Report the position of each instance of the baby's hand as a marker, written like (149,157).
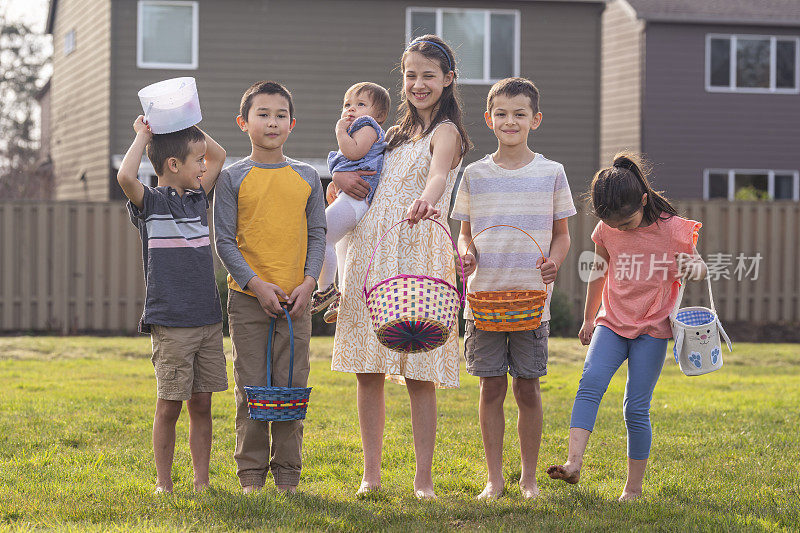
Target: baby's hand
(331,193)
(690,266)
(469,262)
(142,127)
(343,123)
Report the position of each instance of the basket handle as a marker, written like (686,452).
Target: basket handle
(516,228)
(683,281)
(372,258)
(272,322)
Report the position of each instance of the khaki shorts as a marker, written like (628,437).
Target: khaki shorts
(188,360)
(522,354)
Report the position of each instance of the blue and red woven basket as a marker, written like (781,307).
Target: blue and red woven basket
(278,404)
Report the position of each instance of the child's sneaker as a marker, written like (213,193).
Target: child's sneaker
(322,299)
(332,313)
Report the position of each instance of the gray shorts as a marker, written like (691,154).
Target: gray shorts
(523,354)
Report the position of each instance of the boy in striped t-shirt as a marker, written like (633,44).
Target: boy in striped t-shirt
(182,309)
(518,187)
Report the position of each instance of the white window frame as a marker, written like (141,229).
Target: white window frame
(140,62)
(70,42)
(486,79)
(731,87)
(731,172)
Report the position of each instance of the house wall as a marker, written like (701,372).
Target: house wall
(686,129)
(80,89)
(621,81)
(317,50)
(45,122)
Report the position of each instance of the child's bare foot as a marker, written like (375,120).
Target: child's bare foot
(160,489)
(200,486)
(288,489)
(492,491)
(250,489)
(629,495)
(367,488)
(424,494)
(423,488)
(529,490)
(571,473)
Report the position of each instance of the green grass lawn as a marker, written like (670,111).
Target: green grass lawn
(75,452)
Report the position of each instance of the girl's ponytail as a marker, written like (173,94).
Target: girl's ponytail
(616,191)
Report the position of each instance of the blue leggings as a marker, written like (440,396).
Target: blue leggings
(607,352)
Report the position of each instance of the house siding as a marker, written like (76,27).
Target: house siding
(80,89)
(621,82)
(687,129)
(315,50)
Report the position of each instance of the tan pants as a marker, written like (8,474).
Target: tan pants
(249,326)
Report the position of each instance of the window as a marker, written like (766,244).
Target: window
(485,42)
(167,35)
(751,184)
(752,63)
(70,42)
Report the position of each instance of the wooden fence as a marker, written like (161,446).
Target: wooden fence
(77,266)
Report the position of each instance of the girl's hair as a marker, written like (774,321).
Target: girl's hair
(616,191)
(447,108)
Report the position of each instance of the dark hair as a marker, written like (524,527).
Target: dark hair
(379,95)
(616,191)
(447,108)
(176,144)
(264,87)
(512,87)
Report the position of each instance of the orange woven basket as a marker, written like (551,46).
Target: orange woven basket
(507,310)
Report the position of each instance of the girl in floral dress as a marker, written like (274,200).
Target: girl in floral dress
(421,164)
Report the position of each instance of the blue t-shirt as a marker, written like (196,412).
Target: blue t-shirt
(372,160)
(181,290)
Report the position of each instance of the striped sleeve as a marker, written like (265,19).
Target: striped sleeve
(563,206)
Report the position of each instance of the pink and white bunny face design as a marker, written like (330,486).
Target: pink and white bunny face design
(701,336)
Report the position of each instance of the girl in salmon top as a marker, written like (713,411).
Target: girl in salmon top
(647,248)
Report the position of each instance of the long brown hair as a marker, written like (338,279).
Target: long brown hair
(447,108)
(616,191)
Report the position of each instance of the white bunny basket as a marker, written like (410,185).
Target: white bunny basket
(697,333)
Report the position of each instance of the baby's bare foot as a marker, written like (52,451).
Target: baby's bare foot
(629,495)
(250,489)
(492,491)
(568,472)
(160,489)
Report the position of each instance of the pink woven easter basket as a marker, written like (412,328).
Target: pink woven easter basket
(412,313)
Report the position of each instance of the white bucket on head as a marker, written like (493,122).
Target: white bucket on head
(171,105)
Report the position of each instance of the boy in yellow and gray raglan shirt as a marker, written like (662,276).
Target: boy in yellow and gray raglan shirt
(269,221)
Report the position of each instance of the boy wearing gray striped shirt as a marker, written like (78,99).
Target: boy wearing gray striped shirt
(515,187)
(182,309)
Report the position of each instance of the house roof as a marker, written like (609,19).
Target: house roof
(758,12)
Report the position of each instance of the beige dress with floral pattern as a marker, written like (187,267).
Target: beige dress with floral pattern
(422,249)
